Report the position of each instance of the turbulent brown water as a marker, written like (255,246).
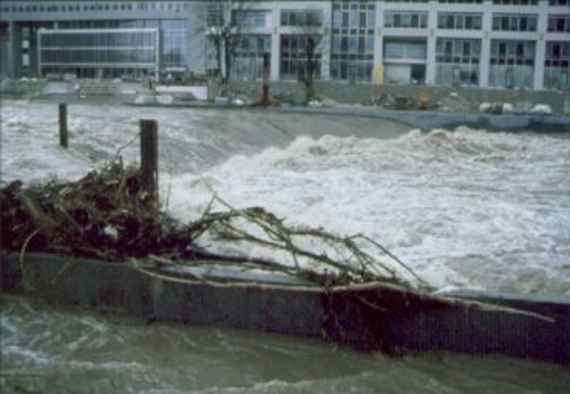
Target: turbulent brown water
(47,350)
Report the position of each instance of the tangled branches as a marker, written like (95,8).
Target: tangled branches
(108,215)
(314,254)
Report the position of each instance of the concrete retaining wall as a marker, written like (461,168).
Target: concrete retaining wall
(431,120)
(369,317)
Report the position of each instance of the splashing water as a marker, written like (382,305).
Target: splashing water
(465,208)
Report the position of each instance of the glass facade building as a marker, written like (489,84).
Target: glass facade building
(95,52)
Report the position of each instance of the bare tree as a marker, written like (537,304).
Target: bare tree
(223,34)
(308,78)
(308,49)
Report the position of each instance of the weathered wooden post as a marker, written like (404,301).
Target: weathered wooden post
(149,157)
(63,134)
(265,86)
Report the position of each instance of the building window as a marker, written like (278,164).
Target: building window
(403,49)
(250,18)
(559,23)
(512,63)
(400,19)
(514,22)
(458,61)
(557,65)
(352,54)
(301,18)
(249,55)
(459,21)
(294,60)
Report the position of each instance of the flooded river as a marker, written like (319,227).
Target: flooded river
(467,208)
(60,351)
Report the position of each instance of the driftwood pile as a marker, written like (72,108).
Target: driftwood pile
(105,215)
(108,215)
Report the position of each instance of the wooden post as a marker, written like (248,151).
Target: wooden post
(265,86)
(149,156)
(63,134)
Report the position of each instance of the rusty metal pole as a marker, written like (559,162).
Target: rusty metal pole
(149,157)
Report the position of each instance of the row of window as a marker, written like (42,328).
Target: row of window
(459,21)
(405,50)
(250,18)
(301,18)
(110,24)
(558,51)
(115,39)
(504,51)
(99,7)
(353,44)
(366,18)
(514,22)
(179,6)
(96,56)
(410,19)
(353,18)
(450,50)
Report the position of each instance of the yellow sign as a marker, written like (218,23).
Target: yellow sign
(378,75)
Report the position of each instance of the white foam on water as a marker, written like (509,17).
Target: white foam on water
(464,208)
(467,208)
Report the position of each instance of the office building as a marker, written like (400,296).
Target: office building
(480,43)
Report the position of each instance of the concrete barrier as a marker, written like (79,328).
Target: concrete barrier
(368,316)
(432,120)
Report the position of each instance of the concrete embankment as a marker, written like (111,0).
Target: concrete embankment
(425,120)
(433,120)
(370,316)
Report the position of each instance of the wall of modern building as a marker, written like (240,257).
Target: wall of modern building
(485,43)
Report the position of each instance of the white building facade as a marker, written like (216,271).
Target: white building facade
(479,43)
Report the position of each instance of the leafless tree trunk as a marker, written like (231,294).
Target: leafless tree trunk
(223,34)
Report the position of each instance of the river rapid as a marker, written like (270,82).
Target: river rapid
(464,208)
